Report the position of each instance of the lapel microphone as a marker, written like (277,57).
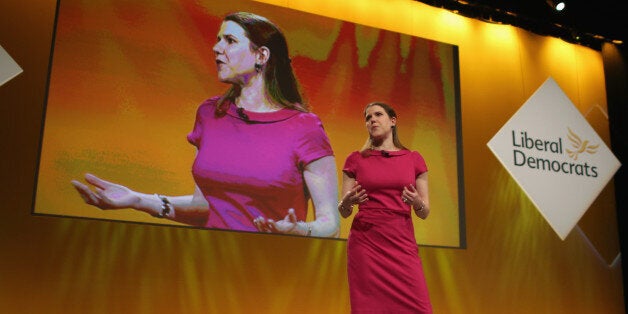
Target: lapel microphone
(385,153)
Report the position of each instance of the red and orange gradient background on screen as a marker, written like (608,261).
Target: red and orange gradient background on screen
(127,77)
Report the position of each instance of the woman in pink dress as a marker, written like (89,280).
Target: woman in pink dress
(388,182)
(261,154)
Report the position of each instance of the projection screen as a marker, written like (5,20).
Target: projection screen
(127,78)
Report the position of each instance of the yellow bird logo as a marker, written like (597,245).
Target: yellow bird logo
(579,146)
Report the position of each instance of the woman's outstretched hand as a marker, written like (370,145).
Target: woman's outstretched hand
(288,225)
(105,194)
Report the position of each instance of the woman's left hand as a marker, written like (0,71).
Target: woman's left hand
(410,195)
(288,225)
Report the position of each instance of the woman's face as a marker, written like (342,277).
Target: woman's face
(378,123)
(235,60)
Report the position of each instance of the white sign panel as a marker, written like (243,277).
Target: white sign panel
(555,156)
(8,67)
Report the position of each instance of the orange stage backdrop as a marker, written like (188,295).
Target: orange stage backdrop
(513,261)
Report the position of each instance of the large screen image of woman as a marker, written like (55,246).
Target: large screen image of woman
(236,116)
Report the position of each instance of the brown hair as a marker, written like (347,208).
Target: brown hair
(280,81)
(391,114)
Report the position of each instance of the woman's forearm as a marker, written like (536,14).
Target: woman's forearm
(322,182)
(326,226)
(186,209)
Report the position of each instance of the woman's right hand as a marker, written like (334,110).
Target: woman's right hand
(106,195)
(356,195)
